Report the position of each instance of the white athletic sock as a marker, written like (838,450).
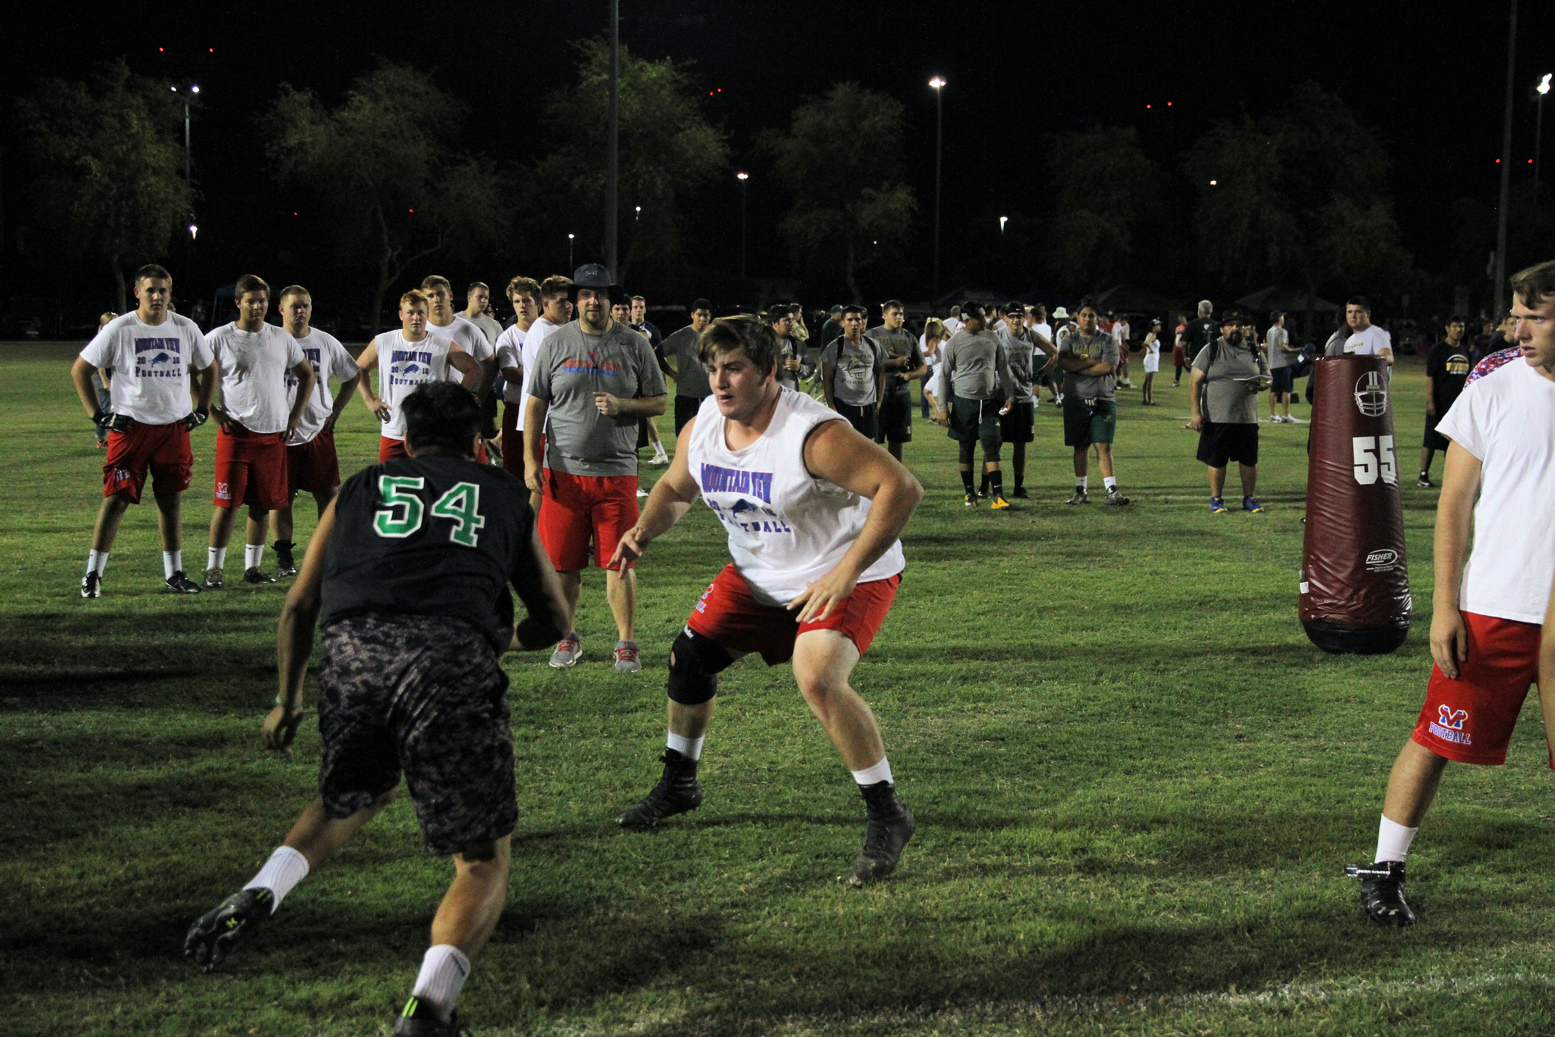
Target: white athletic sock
(658,452)
(1081,481)
(444,968)
(96,561)
(1110,481)
(215,557)
(285,868)
(874,774)
(172,561)
(1393,840)
(252,554)
(690,748)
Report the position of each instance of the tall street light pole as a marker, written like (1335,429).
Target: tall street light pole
(569,250)
(1506,167)
(1538,131)
(939,150)
(744,179)
(613,174)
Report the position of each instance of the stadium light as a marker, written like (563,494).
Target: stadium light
(743,178)
(194,232)
(938,84)
(570,237)
(1002,221)
(1538,130)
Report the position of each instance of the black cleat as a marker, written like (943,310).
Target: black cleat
(212,936)
(1382,892)
(92,585)
(257,575)
(1020,493)
(677,792)
(285,565)
(179,583)
(891,826)
(421,1019)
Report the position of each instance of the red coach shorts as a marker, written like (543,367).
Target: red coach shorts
(163,450)
(729,614)
(312,466)
(576,508)
(1179,356)
(251,469)
(1471,719)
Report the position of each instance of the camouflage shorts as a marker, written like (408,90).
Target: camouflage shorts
(425,695)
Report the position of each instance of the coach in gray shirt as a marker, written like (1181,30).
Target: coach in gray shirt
(1228,373)
(975,378)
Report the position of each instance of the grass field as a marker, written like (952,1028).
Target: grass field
(1136,785)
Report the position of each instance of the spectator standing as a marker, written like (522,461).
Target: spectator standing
(1447,368)
(1282,367)
(1222,396)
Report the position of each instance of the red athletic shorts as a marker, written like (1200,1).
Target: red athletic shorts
(576,508)
(251,469)
(163,450)
(729,614)
(312,466)
(1471,719)
(1179,356)
(389,449)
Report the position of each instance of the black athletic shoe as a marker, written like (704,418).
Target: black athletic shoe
(891,825)
(1020,493)
(212,936)
(677,792)
(1382,892)
(257,575)
(420,1019)
(284,564)
(92,585)
(982,494)
(179,583)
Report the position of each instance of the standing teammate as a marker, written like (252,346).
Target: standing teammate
(1282,367)
(903,363)
(647,430)
(1485,616)
(477,299)
(254,420)
(1088,357)
(813,513)
(591,381)
(974,376)
(1366,339)
(154,359)
(444,323)
(688,373)
(414,358)
(1021,346)
(409,573)
(311,461)
(792,368)
(524,294)
(853,373)
(1227,374)
(1446,369)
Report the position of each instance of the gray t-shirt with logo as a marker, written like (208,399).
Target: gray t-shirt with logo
(1021,349)
(570,367)
(1102,347)
(898,343)
(854,381)
(1227,371)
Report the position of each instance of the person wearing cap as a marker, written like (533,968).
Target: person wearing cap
(1282,361)
(592,380)
(975,376)
(903,363)
(1229,374)
(1022,344)
(690,376)
(1151,347)
(1088,357)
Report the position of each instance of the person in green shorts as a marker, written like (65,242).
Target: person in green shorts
(1089,359)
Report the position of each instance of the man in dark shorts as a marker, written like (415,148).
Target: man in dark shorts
(1022,344)
(903,364)
(1446,370)
(410,569)
(688,375)
(1088,357)
(1228,374)
(975,387)
(853,374)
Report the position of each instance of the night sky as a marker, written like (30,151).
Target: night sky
(1430,79)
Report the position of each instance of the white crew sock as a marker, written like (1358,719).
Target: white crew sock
(1081,481)
(281,873)
(690,748)
(215,557)
(658,452)
(875,774)
(172,562)
(1110,481)
(96,561)
(252,554)
(1393,840)
(444,968)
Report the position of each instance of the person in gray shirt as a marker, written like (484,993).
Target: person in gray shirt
(1282,360)
(903,363)
(1088,357)
(1022,344)
(853,373)
(1223,395)
(974,373)
(690,376)
(792,365)
(593,379)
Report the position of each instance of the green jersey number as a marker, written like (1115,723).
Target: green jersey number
(403,512)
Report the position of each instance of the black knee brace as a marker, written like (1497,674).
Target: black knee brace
(967,446)
(991,447)
(695,663)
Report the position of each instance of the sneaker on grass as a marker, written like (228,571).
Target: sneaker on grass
(890,827)
(1382,892)
(628,657)
(212,936)
(178,583)
(254,574)
(568,651)
(1080,497)
(1217,505)
(1251,504)
(423,1019)
(92,585)
(1115,498)
(214,580)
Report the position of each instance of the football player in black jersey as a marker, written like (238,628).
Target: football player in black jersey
(409,572)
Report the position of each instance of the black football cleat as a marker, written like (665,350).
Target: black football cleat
(92,585)
(212,936)
(422,1019)
(891,826)
(1382,892)
(285,564)
(254,574)
(180,583)
(677,792)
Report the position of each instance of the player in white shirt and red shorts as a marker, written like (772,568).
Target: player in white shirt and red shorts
(1486,616)
(413,357)
(443,321)
(813,511)
(154,359)
(311,461)
(255,417)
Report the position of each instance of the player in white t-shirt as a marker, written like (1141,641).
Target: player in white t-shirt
(1486,615)
(524,294)
(813,511)
(555,313)
(413,357)
(1366,339)
(255,417)
(311,461)
(154,358)
(444,323)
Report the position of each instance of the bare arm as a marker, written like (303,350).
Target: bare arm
(535,412)
(81,378)
(549,614)
(1430,401)
(1547,674)
(637,407)
(366,364)
(828,372)
(1195,383)
(1454,518)
(343,397)
(671,498)
(306,380)
(294,637)
(466,365)
(838,454)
